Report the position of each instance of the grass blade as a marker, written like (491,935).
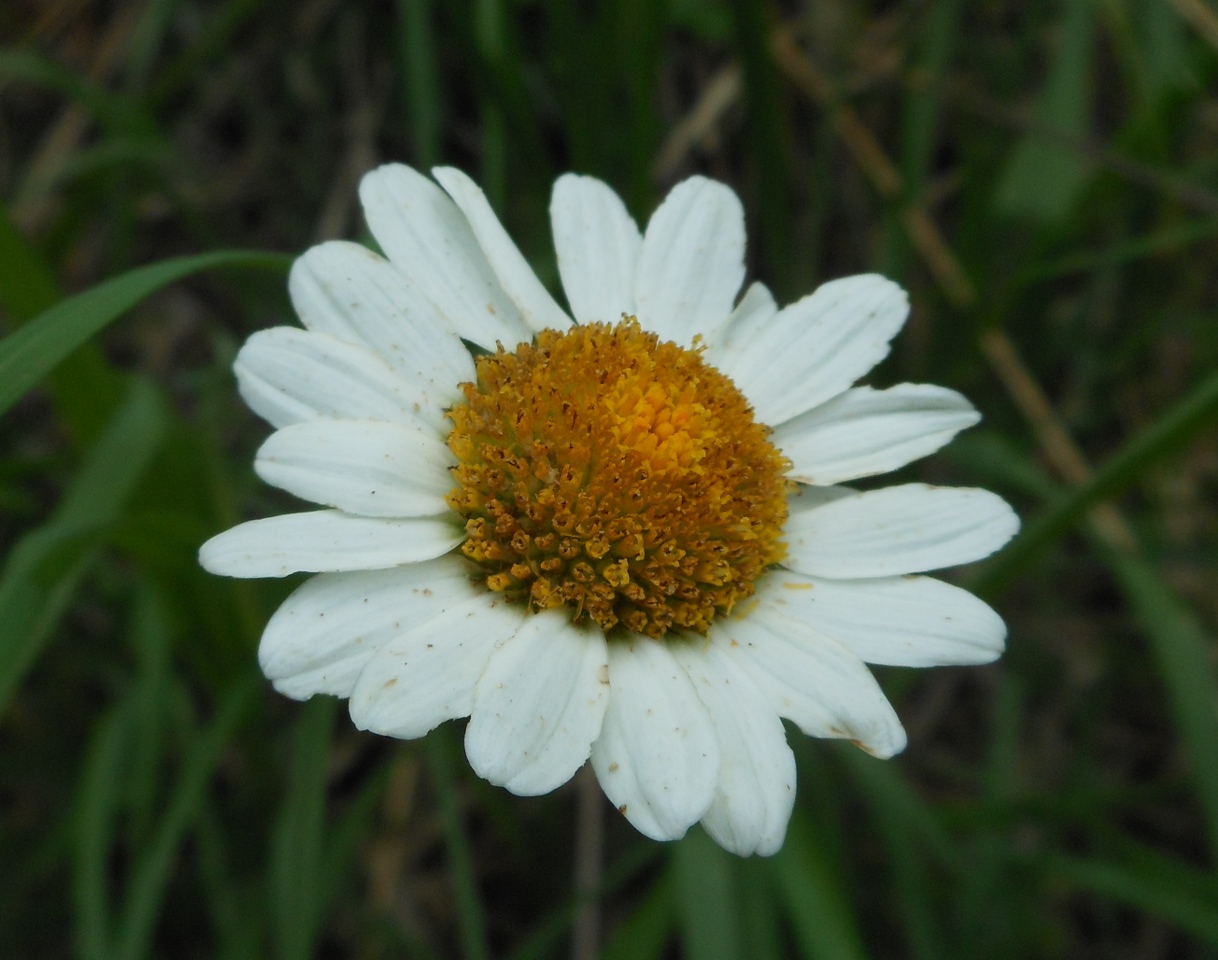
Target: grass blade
(33,351)
(1183,655)
(461,860)
(35,588)
(814,901)
(707,899)
(154,870)
(1185,901)
(1197,412)
(296,853)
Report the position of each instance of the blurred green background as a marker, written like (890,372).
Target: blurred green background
(1042,177)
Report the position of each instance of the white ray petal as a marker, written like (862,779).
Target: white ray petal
(428,239)
(818,346)
(896,530)
(322,635)
(288,375)
(657,758)
(598,244)
(348,291)
(755,792)
(427,673)
(539,705)
(901,621)
(537,308)
(691,264)
(325,541)
(369,468)
(863,431)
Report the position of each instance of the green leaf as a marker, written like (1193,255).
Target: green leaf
(33,351)
(154,869)
(1183,654)
(296,852)
(1159,886)
(1043,177)
(707,899)
(644,934)
(1198,411)
(43,570)
(810,886)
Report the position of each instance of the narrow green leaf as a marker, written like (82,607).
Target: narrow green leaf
(708,902)
(813,896)
(296,851)
(1043,177)
(33,351)
(645,933)
(27,287)
(1197,412)
(1187,902)
(41,572)
(420,80)
(96,811)
(460,857)
(1183,655)
(154,869)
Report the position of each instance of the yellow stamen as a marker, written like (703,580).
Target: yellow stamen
(624,477)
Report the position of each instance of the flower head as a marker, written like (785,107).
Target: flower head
(615,534)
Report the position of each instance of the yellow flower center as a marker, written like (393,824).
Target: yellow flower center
(624,477)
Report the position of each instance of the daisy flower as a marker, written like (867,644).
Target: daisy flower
(615,533)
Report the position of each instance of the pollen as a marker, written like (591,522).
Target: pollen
(620,476)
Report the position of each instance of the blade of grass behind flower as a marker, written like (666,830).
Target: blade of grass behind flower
(1153,884)
(645,932)
(153,871)
(1197,412)
(708,899)
(96,811)
(759,911)
(34,350)
(42,571)
(1043,178)
(768,130)
(910,833)
(460,859)
(296,863)
(1182,654)
(809,886)
(420,80)
(84,389)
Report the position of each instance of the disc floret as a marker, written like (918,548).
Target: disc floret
(625,477)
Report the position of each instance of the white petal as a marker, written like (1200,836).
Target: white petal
(818,346)
(863,432)
(902,621)
(657,758)
(804,498)
(537,308)
(691,265)
(755,310)
(539,705)
(896,530)
(288,375)
(370,468)
(351,293)
(428,239)
(426,674)
(321,636)
(756,788)
(598,244)
(325,541)
(813,680)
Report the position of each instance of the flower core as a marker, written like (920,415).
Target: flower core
(624,477)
